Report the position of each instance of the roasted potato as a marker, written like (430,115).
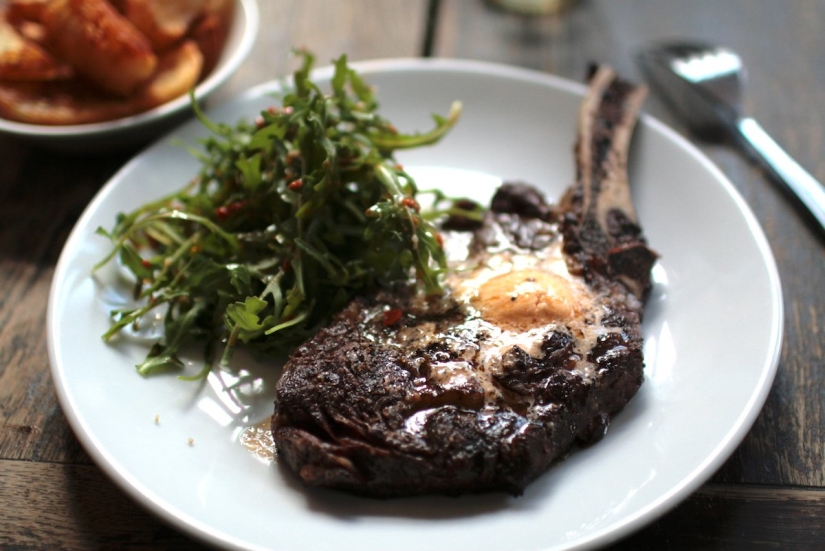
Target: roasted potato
(62,102)
(164,23)
(23,59)
(67,62)
(210,34)
(26,10)
(68,102)
(177,73)
(101,44)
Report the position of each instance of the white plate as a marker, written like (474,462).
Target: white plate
(141,128)
(713,330)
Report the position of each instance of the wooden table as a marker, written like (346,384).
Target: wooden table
(769,495)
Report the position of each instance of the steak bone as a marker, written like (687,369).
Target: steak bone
(601,227)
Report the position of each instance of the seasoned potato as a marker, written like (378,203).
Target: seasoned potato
(68,102)
(68,62)
(177,73)
(100,43)
(62,102)
(26,10)
(210,34)
(23,59)
(164,22)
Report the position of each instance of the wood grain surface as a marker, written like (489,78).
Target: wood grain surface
(769,495)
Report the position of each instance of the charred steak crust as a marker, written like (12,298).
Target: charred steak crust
(403,395)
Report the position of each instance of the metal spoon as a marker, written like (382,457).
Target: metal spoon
(703,83)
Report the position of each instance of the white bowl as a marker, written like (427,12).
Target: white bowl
(142,127)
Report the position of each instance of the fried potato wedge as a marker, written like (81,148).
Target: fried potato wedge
(26,10)
(210,33)
(60,102)
(27,17)
(164,22)
(69,103)
(70,62)
(23,59)
(100,43)
(178,72)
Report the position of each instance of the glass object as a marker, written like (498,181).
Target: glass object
(533,7)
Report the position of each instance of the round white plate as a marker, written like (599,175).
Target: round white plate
(712,328)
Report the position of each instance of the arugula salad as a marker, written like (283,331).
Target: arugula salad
(289,217)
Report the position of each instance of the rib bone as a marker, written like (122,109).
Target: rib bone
(602,231)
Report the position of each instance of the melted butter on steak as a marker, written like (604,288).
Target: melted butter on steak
(503,297)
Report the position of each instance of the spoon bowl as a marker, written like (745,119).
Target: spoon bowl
(704,84)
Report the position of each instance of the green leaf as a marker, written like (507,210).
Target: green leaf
(274,131)
(245,314)
(159,357)
(339,78)
(240,278)
(251,170)
(132,260)
(391,141)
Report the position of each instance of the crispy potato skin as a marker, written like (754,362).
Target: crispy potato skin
(57,103)
(177,73)
(101,44)
(22,59)
(26,10)
(163,23)
(210,33)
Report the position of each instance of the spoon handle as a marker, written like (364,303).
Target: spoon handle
(805,186)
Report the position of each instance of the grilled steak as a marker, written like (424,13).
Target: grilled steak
(534,346)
